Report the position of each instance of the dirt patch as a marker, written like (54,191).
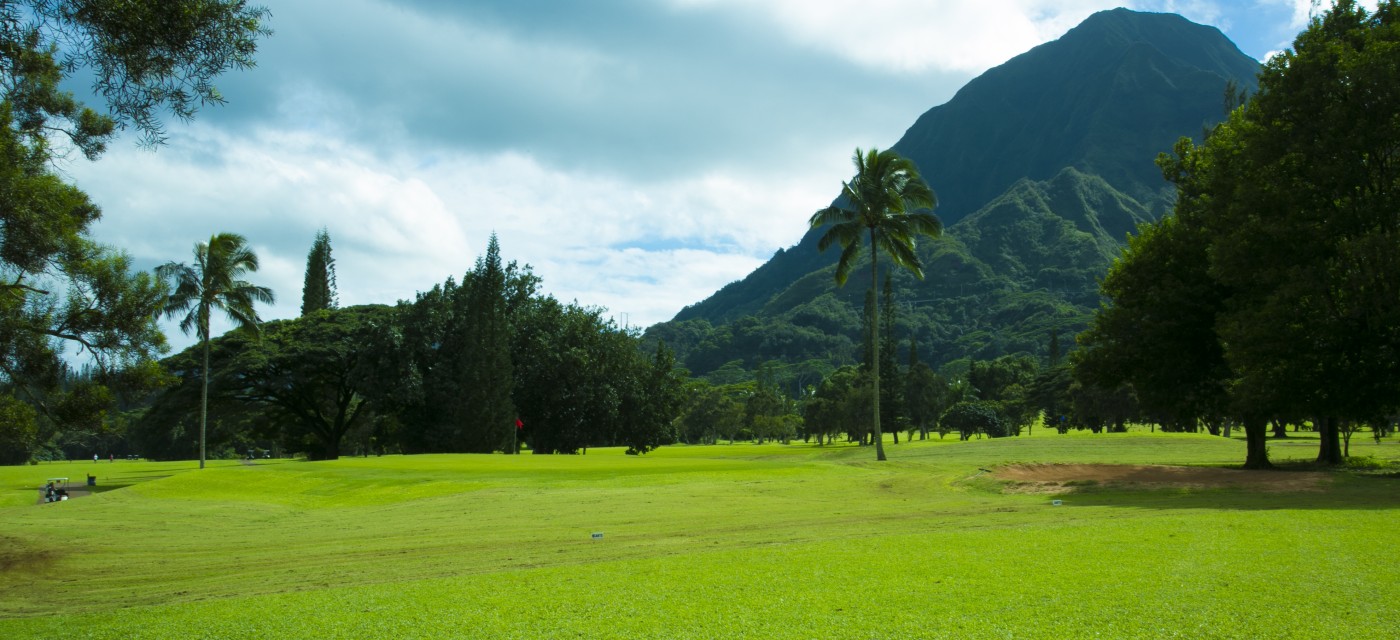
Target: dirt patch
(16,557)
(1058,478)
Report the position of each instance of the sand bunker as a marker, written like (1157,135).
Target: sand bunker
(1057,478)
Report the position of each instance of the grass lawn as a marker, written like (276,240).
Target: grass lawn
(704,542)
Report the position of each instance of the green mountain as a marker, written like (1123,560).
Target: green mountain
(1042,166)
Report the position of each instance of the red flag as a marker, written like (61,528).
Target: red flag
(519,424)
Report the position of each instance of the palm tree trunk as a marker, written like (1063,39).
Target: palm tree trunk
(204,399)
(875,345)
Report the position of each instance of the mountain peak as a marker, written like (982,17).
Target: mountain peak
(1042,165)
(1114,91)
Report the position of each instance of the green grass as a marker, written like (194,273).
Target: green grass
(701,542)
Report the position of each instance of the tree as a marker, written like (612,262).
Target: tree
(318,292)
(461,347)
(17,430)
(482,408)
(970,418)
(1298,196)
(924,393)
(765,408)
(888,201)
(214,283)
(58,288)
(564,383)
(318,371)
(1158,329)
(892,409)
(168,429)
(839,403)
(710,413)
(1049,395)
(653,402)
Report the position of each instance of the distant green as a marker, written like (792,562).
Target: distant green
(713,541)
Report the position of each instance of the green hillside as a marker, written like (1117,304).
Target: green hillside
(998,282)
(1042,166)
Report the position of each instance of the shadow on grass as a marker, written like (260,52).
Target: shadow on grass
(1346,491)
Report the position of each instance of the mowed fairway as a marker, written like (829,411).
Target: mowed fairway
(703,542)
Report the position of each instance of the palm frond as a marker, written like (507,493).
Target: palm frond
(848,258)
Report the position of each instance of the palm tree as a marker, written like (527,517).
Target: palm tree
(889,199)
(214,282)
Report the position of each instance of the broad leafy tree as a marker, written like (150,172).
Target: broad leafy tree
(653,404)
(214,284)
(1306,222)
(1292,206)
(888,202)
(710,413)
(318,373)
(60,290)
(975,417)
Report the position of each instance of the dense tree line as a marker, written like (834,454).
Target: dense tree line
(1271,295)
(487,365)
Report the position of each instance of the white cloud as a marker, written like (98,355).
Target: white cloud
(403,221)
(911,36)
(632,160)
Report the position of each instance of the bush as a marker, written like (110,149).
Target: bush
(968,418)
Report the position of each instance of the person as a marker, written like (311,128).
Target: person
(111,457)
(94,458)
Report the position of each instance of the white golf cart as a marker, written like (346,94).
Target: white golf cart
(55,490)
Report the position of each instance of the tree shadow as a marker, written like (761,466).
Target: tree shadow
(1344,491)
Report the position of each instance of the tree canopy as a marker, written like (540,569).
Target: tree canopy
(59,289)
(1273,292)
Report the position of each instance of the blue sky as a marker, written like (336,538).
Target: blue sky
(639,154)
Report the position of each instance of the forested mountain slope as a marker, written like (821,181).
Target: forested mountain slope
(1042,166)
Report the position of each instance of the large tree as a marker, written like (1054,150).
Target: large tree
(1299,196)
(1158,329)
(58,288)
(482,408)
(458,340)
(1307,224)
(888,202)
(319,371)
(214,283)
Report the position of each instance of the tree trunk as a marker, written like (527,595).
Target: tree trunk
(204,397)
(875,344)
(1280,429)
(1329,449)
(1256,433)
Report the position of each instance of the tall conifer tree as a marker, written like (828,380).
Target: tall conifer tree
(892,394)
(319,290)
(485,413)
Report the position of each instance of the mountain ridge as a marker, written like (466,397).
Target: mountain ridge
(1043,165)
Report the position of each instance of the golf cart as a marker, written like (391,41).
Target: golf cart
(55,490)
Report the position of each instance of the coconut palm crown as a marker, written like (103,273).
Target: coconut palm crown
(888,200)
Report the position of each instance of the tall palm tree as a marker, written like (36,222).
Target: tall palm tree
(888,199)
(214,282)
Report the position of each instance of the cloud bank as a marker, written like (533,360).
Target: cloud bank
(639,155)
